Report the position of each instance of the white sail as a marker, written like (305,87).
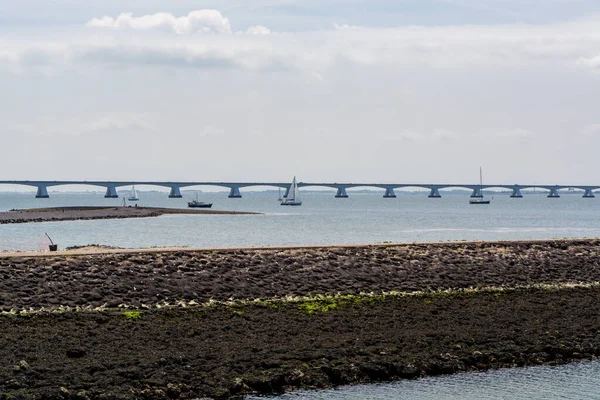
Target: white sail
(293,196)
(133,196)
(296,191)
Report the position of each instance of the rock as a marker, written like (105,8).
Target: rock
(75,353)
(173,391)
(238,386)
(295,377)
(21,366)
(81,395)
(334,374)
(114,303)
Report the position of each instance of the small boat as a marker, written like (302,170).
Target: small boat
(133,196)
(199,204)
(480,200)
(293,197)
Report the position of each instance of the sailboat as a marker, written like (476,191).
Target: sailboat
(198,204)
(480,200)
(133,196)
(293,197)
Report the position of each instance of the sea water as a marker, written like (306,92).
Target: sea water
(322,219)
(578,381)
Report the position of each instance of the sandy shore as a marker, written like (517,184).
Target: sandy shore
(220,323)
(87,213)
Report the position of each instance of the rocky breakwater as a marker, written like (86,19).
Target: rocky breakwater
(92,212)
(224,323)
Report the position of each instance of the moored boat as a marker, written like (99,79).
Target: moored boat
(199,204)
(133,196)
(293,196)
(480,200)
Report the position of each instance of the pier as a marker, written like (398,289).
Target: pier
(235,188)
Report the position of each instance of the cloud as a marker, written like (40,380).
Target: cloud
(199,21)
(517,133)
(442,134)
(209,130)
(591,130)
(121,123)
(346,27)
(592,62)
(258,30)
(116,122)
(150,41)
(407,135)
(435,136)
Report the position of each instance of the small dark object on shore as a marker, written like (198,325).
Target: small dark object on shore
(51,246)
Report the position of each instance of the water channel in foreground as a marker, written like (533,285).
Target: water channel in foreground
(577,381)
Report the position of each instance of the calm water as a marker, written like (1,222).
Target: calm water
(574,382)
(362,218)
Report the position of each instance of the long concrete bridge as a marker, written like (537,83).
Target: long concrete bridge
(234,187)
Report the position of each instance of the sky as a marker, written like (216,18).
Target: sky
(327,90)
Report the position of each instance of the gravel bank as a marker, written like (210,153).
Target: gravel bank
(87,213)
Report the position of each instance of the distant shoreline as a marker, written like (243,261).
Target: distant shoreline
(76,213)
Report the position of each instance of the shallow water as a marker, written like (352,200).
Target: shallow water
(322,219)
(577,381)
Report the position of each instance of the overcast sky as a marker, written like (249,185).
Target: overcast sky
(328,90)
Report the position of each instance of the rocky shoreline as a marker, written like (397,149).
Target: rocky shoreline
(223,323)
(96,212)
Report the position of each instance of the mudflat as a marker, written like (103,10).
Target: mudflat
(223,323)
(93,212)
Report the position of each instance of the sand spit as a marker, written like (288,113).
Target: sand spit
(222,323)
(87,213)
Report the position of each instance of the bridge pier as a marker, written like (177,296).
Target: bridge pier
(389,193)
(175,192)
(588,193)
(111,192)
(434,193)
(516,193)
(477,192)
(234,193)
(553,193)
(341,193)
(42,192)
